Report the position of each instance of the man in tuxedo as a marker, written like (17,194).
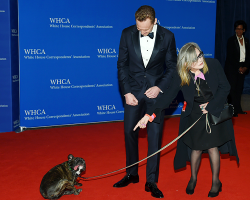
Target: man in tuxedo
(146,62)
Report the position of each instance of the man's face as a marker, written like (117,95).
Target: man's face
(145,26)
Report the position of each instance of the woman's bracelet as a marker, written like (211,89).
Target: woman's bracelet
(151,118)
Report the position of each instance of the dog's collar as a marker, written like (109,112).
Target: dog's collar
(69,167)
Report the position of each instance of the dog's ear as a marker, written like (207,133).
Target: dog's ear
(70,157)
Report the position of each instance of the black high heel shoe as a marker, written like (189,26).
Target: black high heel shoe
(215,194)
(190,191)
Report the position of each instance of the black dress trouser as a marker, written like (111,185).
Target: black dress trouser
(132,114)
(236,80)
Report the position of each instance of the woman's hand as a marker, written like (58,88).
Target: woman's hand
(142,123)
(203,108)
(242,70)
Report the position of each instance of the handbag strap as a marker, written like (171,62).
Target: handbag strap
(208,127)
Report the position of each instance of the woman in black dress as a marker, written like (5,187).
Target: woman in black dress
(211,79)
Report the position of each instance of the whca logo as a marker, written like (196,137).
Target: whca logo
(106,107)
(34,51)
(60,81)
(35,112)
(59,20)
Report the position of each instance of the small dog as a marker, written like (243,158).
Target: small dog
(60,180)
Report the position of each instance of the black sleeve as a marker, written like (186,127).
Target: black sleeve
(122,65)
(165,100)
(170,61)
(216,105)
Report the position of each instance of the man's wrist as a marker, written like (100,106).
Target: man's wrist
(127,94)
(159,89)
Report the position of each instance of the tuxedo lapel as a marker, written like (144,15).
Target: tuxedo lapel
(158,42)
(136,44)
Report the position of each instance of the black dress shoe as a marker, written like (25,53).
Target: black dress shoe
(127,180)
(235,115)
(244,113)
(152,187)
(215,194)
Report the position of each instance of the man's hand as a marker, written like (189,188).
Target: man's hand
(242,70)
(142,123)
(152,92)
(130,99)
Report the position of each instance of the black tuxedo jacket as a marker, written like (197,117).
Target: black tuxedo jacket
(217,82)
(132,74)
(233,55)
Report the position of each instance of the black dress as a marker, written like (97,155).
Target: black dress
(197,138)
(222,135)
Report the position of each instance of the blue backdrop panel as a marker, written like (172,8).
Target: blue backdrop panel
(14,63)
(68,54)
(246,89)
(9,82)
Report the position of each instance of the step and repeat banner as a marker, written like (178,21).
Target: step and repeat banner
(68,54)
(9,77)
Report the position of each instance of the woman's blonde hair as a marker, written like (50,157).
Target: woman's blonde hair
(185,59)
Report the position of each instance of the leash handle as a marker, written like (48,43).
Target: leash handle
(170,143)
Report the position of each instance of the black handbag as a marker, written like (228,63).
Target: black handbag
(226,113)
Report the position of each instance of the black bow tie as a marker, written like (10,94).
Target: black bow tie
(151,35)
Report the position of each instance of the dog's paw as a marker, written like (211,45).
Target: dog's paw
(78,191)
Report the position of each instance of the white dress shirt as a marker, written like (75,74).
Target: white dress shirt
(242,50)
(147,46)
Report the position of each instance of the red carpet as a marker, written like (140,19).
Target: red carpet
(27,156)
